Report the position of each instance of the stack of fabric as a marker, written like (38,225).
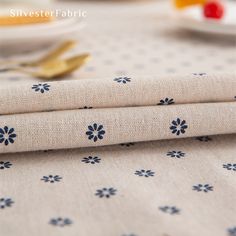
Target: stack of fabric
(123,155)
(51,115)
(148,182)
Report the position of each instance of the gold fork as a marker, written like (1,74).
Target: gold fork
(56,68)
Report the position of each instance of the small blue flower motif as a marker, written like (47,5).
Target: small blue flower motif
(232,231)
(123,80)
(127,144)
(199,74)
(51,178)
(41,87)
(176,154)
(166,101)
(91,160)
(5,202)
(7,135)
(61,222)
(95,132)
(203,188)
(178,126)
(48,150)
(230,166)
(106,192)
(204,139)
(145,173)
(172,210)
(85,107)
(4,165)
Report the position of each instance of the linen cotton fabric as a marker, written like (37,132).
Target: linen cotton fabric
(107,126)
(178,187)
(175,188)
(118,92)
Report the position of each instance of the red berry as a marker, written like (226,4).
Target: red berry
(213,9)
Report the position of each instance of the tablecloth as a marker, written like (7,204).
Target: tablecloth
(168,188)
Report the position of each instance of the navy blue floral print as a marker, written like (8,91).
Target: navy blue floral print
(178,126)
(85,107)
(232,231)
(145,173)
(204,139)
(7,135)
(61,222)
(51,178)
(5,202)
(166,101)
(172,210)
(41,87)
(203,188)
(91,160)
(95,132)
(177,154)
(127,144)
(230,166)
(106,192)
(49,150)
(123,80)
(4,165)
(199,74)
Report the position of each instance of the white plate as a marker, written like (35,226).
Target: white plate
(192,18)
(59,22)
(31,37)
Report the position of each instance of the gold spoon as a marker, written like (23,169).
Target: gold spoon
(56,68)
(52,55)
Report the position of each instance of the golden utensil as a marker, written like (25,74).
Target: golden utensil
(52,55)
(56,68)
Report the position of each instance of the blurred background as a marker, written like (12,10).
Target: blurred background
(115,38)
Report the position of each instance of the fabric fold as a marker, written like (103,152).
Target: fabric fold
(107,126)
(117,92)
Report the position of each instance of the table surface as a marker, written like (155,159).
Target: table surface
(140,39)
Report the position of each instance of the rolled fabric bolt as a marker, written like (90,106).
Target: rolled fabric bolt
(185,3)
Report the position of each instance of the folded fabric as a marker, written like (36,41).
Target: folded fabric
(106,126)
(118,92)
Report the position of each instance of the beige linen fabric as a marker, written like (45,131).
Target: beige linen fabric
(67,129)
(104,93)
(179,187)
(133,110)
(135,206)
